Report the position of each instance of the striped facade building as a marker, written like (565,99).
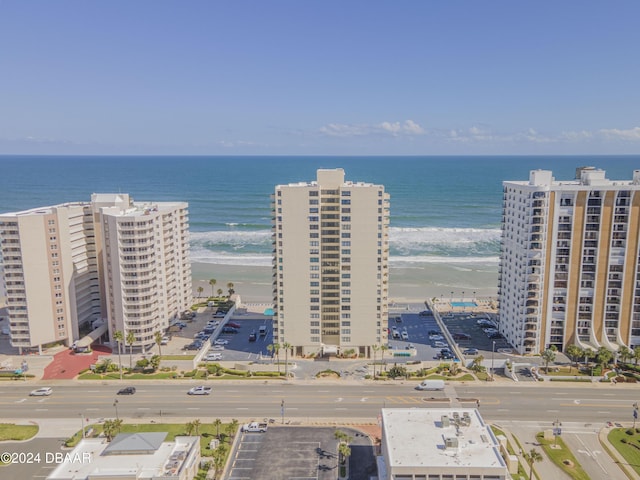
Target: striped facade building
(330,265)
(569,262)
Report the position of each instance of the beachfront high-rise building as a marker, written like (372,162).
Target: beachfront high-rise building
(50,273)
(330,265)
(569,262)
(145,262)
(69,267)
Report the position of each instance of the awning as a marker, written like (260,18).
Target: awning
(92,337)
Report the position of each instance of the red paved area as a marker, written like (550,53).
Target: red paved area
(67,365)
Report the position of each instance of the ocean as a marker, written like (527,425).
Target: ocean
(445,210)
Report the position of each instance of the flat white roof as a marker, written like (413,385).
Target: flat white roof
(417,438)
(88,459)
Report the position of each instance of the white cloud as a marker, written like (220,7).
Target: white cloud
(631,134)
(395,129)
(342,130)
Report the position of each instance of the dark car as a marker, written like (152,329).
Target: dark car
(229,330)
(398,319)
(434,332)
(461,336)
(470,351)
(425,313)
(127,391)
(495,335)
(252,336)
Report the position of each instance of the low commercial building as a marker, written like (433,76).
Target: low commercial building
(438,444)
(139,456)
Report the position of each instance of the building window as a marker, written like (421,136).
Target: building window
(348,339)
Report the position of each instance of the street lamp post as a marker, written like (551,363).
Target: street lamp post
(115,405)
(82,422)
(635,414)
(556,432)
(282,411)
(493,349)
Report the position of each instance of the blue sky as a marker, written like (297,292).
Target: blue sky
(412,77)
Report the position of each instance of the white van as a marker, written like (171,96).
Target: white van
(262,330)
(431,385)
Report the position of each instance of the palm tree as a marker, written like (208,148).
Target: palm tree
(212,282)
(275,347)
(196,426)
(189,428)
(383,348)
(345,452)
(286,346)
(200,290)
(603,357)
(216,423)
(118,336)
(375,348)
(531,457)
(218,462)
(131,339)
(233,427)
(230,287)
(158,339)
(574,352)
(624,353)
(219,292)
(636,355)
(476,365)
(111,428)
(548,356)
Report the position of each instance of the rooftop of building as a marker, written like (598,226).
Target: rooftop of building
(439,438)
(139,455)
(585,177)
(47,210)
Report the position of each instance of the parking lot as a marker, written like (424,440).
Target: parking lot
(238,348)
(304,453)
(427,347)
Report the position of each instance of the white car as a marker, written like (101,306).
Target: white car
(221,341)
(41,392)
(217,347)
(199,390)
(213,357)
(405,336)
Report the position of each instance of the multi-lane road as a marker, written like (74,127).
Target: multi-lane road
(526,402)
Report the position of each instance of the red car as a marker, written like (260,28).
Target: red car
(233,324)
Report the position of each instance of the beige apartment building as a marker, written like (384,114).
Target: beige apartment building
(145,262)
(50,273)
(68,268)
(330,265)
(569,262)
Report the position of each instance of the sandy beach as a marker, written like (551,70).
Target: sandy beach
(407,284)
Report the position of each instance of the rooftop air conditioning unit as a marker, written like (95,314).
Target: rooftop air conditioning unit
(451,442)
(445,421)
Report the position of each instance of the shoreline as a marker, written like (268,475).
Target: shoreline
(406,284)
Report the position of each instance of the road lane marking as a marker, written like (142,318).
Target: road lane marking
(341,408)
(193,408)
(143,408)
(21,400)
(553,411)
(242,408)
(42,409)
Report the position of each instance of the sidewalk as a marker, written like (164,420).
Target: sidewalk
(543,470)
(619,459)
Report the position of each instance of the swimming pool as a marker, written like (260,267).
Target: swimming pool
(464,304)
